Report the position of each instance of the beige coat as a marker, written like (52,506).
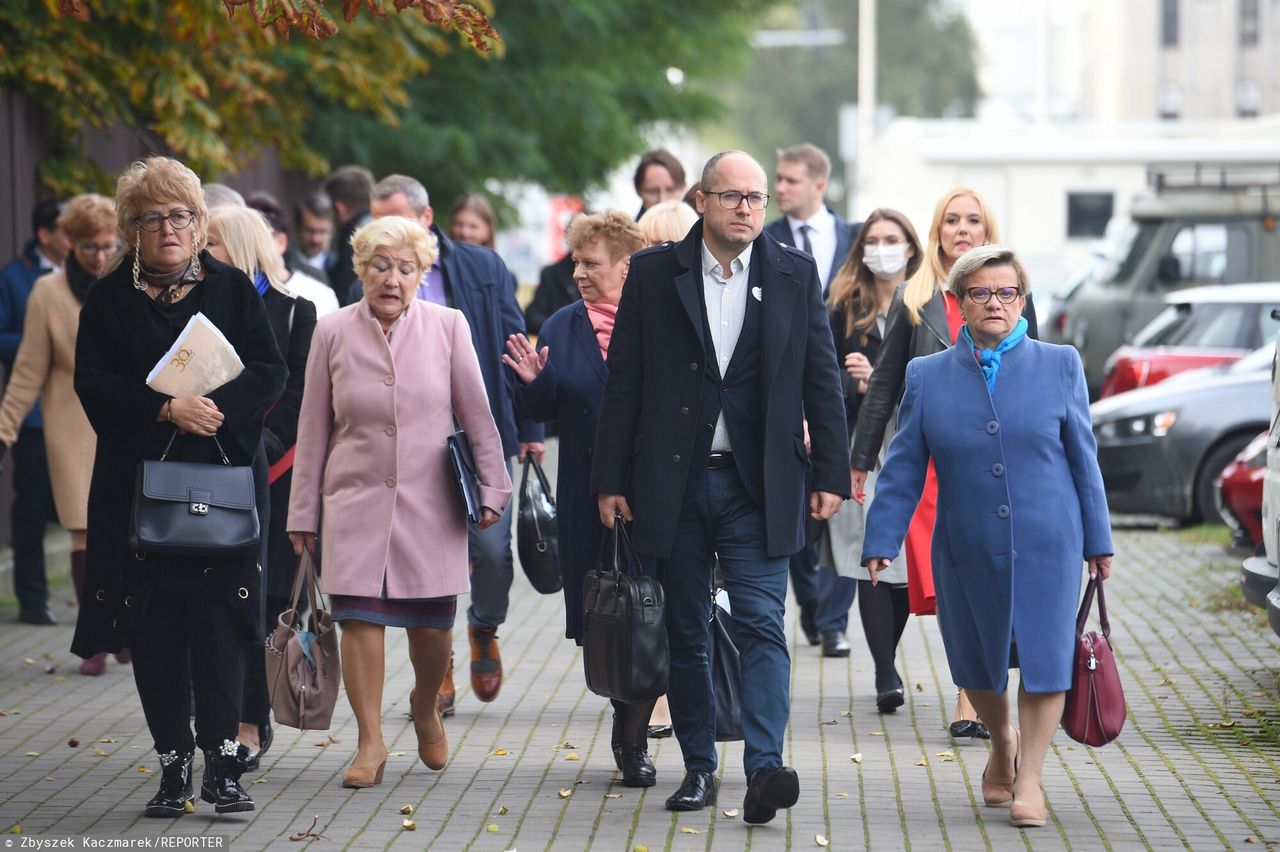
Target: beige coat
(45,367)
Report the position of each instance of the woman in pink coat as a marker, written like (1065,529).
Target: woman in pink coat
(373,481)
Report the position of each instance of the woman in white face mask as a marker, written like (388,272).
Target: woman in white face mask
(884,255)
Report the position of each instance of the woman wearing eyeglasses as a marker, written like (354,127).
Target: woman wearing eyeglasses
(44,367)
(182,617)
(1021,505)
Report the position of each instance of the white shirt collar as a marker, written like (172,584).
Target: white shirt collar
(820,221)
(712,266)
(45,263)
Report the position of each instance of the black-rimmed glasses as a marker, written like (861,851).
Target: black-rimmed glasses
(94,248)
(153,221)
(982,295)
(731,198)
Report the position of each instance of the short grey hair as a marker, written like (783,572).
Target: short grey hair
(412,190)
(221,195)
(983,256)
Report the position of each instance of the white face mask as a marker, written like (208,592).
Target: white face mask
(885,260)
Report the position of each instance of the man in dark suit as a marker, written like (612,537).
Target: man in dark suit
(800,182)
(721,349)
(348,188)
(474,280)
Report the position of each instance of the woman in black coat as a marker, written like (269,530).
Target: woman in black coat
(241,237)
(179,615)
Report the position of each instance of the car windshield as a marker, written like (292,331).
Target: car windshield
(1130,248)
(1166,324)
(1256,361)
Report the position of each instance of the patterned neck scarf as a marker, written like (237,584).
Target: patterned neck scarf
(170,282)
(989,359)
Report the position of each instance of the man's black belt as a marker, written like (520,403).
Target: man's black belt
(719,461)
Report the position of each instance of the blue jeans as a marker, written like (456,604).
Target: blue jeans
(719,518)
(491,569)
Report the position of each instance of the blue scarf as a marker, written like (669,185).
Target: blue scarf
(989,359)
(260,281)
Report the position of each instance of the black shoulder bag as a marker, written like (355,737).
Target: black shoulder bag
(537,539)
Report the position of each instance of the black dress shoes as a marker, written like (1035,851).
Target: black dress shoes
(660,732)
(809,622)
(175,787)
(888,702)
(834,644)
(770,790)
(969,728)
(265,737)
(36,615)
(697,791)
(637,768)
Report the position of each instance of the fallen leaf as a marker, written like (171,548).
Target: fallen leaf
(1227,723)
(924,761)
(856,757)
(406,809)
(639,847)
(48,777)
(97,752)
(832,722)
(16,828)
(919,688)
(686,829)
(409,825)
(502,811)
(842,795)
(50,669)
(499,751)
(564,794)
(613,795)
(493,828)
(1256,694)
(820,840)
(33,754)
(1168,681)
(1250,713)
(731,813)
(846,713)
(395,754)
(303,835)
(877,733)
(563,744)
(947,756)
(3,712)
(27,661)
(144,769)
(188,807)
(108,740)
(259,780)
(573,755)
(59,679)
(73,742)
(1251,840)
(580,781)
(322,744)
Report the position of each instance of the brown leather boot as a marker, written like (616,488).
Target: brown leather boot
(486,664)
(444,699)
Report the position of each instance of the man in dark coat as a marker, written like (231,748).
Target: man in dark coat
(474,280)
(348,188)
(33,493)
(721,350)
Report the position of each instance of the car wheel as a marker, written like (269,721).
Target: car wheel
(1205,509)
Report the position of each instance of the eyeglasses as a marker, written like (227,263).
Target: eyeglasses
(94,248)
(731,198)
(179,219)
(982,295)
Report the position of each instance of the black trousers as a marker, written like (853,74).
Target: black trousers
(185,642)
(32,510)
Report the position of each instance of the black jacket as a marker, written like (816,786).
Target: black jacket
(902,342)
(650,418)
(556,289)
(845,345)
(115,350)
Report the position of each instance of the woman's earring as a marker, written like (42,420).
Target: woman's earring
(137,252)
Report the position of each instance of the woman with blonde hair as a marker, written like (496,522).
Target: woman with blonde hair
(241,237)
(923,320)
(45,369)
(669,221)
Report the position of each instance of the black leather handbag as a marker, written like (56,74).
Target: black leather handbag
(726,675)
(537,540)
(193,508)
(624,639)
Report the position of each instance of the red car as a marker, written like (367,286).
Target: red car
(1201,327)
(1239,492)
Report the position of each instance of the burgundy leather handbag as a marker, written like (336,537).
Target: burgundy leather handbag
(1094,713)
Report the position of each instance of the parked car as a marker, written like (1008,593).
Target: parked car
(1260,575)
(1201,326)
(1239,493)
(1214,229)
(1057,308)
(1161,448)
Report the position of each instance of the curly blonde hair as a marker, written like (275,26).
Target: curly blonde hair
(393,232)
(86,216)
(621,235)
(158,180)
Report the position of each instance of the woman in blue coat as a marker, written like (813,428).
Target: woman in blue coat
(563,380)
(1020,506)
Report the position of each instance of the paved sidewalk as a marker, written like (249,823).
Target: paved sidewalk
(1198,764)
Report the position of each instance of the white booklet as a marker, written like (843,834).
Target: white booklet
(199,361)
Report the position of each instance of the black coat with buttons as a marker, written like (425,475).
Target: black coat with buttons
(650,417)
(123,333)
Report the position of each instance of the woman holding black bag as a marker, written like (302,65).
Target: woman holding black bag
(568,387)
(179,615)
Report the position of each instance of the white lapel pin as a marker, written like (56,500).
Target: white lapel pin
(755,291)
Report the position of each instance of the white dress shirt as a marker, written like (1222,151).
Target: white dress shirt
(822,237)
(314,291)
(726,300)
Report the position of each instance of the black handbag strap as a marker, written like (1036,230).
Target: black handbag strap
(531,463)
(169,446)
(1087,604)
(617,544)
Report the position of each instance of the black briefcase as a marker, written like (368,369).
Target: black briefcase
(192,508)
(464,472)
(537,538)
(624,638)
(726,675)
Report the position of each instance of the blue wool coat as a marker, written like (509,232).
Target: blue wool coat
(569,389)
(1020,506)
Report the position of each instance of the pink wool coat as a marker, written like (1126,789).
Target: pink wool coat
(371,473)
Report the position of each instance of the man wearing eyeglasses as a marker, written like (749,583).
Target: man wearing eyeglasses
(659,177)
(720,352)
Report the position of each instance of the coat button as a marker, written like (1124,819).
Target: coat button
(1002,512)
(992,427)
(208,570)
(259,567)
(389,381)
(128,601)
(684,409)
(243,593)
(101,595)
(391,431)
(997,469)
(586,412)
(693,365)
(588,452)
(676,458)
(711,427)
(391,482)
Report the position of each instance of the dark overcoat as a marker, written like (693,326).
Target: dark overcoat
(569,390)
(846,233)
(114,354)
(1020,506)
(650,416)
